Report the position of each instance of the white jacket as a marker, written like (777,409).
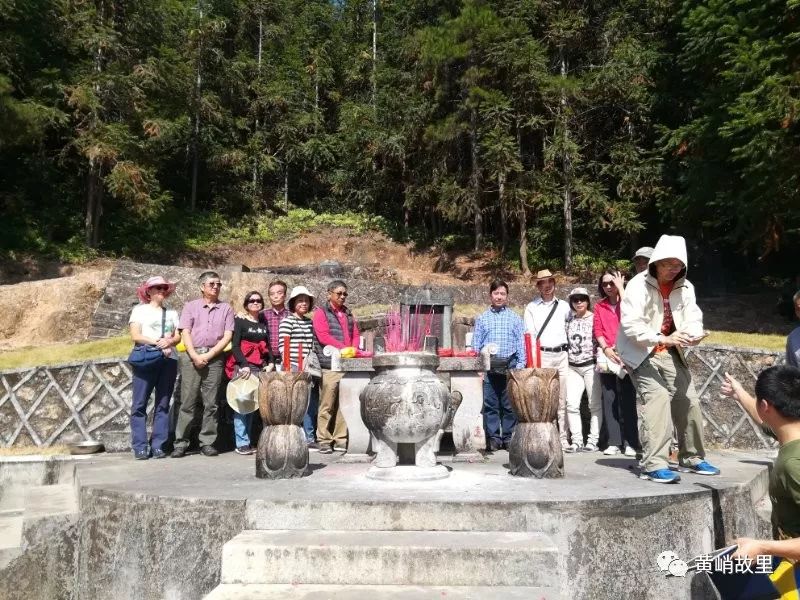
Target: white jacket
(642,310)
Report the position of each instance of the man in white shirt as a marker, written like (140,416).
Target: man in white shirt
(545,320)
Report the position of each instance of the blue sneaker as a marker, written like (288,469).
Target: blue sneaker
(141,454)
(660,476)
(701,468)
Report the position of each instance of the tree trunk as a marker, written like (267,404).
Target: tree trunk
(523,240)
(501,200)
(286,188)
(196,131)
(476,180)
(374,53)
(567,176)
(255,128)
(94,206)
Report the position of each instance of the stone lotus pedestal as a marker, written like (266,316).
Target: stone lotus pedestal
(282,402)
(405,403)
(535,449)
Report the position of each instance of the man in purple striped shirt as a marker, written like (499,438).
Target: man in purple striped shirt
(206,326)
(273,316)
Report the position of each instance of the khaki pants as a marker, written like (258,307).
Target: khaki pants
(666,394)
(196,382)
(331,426)
(558,360)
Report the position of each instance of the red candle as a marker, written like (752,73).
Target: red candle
(286,365)
(538,354)
(528,352)
(300,357)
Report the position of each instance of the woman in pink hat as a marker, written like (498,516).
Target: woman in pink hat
(154,325)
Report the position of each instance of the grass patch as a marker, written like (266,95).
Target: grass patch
(764,341)
(64,353)
(28,450)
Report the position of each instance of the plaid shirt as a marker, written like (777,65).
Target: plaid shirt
(273,319)
(502,327)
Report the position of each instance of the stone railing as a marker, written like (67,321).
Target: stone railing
(42,406)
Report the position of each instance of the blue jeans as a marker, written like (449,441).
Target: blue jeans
(241,428)
(310,420)
(498,417)
(145,380)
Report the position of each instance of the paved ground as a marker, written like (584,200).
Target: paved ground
(589,476)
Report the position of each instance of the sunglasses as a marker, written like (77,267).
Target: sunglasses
(214,284)
(159,288)
(607,283)
(340,294)
(580,300)
(255,301)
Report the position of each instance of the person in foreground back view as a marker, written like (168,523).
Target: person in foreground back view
(776,408)
(660,317)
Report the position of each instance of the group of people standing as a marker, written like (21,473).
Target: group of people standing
(210,341)
(630,347)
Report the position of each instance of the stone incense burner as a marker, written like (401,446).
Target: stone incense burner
(405,403)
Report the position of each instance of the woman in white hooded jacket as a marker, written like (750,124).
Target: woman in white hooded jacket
(659,318)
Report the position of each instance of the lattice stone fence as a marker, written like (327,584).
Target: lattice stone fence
(50,405)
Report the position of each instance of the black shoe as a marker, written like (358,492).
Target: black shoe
(506,444)
(209,451)
(141,454)
(494,446)
(178,452)
(325,449)
(159,453)
(313,446)
(240,450)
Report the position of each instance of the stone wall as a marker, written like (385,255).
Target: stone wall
(43,406)
(111,315)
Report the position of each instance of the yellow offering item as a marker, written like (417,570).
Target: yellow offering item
(228,348)
(180,347)
(348,352)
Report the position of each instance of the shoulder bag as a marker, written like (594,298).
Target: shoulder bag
(147,356)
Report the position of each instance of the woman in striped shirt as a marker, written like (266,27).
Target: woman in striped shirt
(298,330)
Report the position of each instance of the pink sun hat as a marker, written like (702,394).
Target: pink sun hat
(141,291)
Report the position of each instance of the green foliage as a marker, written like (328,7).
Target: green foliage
(162,125)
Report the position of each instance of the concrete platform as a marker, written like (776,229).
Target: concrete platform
(606,525)
(233,591)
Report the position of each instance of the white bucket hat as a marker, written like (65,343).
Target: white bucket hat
(299,290)
(242,394)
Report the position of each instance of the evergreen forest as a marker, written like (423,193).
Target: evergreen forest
(559,131)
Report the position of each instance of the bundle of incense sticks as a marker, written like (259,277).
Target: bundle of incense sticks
(406,329)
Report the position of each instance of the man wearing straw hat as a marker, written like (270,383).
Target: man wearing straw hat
(545,319)
(206,328)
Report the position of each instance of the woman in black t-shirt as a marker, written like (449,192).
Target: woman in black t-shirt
(250,354)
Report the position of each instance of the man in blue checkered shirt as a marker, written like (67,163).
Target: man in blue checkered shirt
(501,326)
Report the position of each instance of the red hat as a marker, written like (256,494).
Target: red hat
(142,290)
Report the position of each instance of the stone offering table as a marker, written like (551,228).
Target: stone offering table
(467,423)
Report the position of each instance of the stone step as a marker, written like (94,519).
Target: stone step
(232,591)
(447,558)
(46,500)
(11,523)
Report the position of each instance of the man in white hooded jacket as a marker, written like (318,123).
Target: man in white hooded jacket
(660,317)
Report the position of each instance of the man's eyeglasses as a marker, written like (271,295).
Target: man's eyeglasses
(255,301)
(340,294)
(159,288)
(214,283)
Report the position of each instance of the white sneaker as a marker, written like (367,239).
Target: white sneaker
(630,452)
(590,447)
(611,451)
(572,448)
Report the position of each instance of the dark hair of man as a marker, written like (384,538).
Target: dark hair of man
(249,295)
(497,283)
(206,275)
(336,284)
(277,282)
(780,387)
(608,271)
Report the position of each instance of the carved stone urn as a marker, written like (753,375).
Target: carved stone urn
(282,402)
(405,403)
(535,449)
